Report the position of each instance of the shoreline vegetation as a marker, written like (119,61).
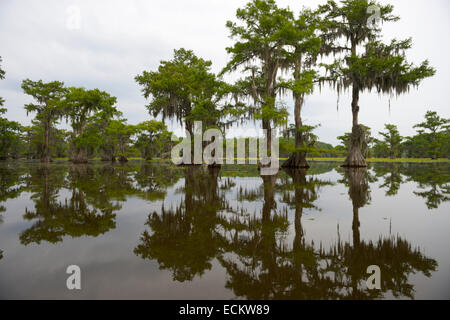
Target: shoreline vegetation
(312,159)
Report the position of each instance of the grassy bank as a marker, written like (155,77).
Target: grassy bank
(412,160)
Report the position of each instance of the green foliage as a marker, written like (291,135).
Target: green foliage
(9,136)
(265,26)
(48,97)
(79,105)
(318,149)
(301,52)
(185,89)
(32,142)
(48,107)
(119,135)
(381,66)
(259,49)
(384,67)
(434,123)
(278,115)
(392,140)
(366,146)
(9,130)
(2,72)
(435,143)
(267,40)
(153,139)
(96,130)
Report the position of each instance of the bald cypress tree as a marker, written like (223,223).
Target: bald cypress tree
(259,52)
(9,130)
(363,62)
(48,107)
(79,105)
(301,59)
(181,87)
(185,89)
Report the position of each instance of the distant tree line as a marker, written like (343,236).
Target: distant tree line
(432,140)
(98,129)
(277,51)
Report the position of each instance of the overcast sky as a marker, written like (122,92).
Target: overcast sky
(116,40)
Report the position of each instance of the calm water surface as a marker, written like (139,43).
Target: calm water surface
(155,231)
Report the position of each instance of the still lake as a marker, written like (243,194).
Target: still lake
(156,231)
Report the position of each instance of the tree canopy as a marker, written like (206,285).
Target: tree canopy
(379,66)
(48,107)
(183,89)
(79,105)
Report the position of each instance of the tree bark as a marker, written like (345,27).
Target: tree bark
(108,156)
(271,72)
(46,152)
(268,128)
(190,128)
(298,158)
(80,156)
(355,158)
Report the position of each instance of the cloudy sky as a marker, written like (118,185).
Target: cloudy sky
(113,41)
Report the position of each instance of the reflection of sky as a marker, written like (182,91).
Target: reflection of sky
(110,269)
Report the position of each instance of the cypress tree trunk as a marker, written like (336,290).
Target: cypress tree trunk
(266,126)
(79,156)
(46,152)
(298,158)
(148,154)
(355,158)
(190,128)
(108,155)
(296,161)
(271,71)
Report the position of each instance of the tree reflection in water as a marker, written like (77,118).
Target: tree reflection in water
(394,255)
(82,213)
(183,239)
(433,180)
(82,200)
(213,224)
(433,183)
(392,178)
(260,264)
(11,186)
